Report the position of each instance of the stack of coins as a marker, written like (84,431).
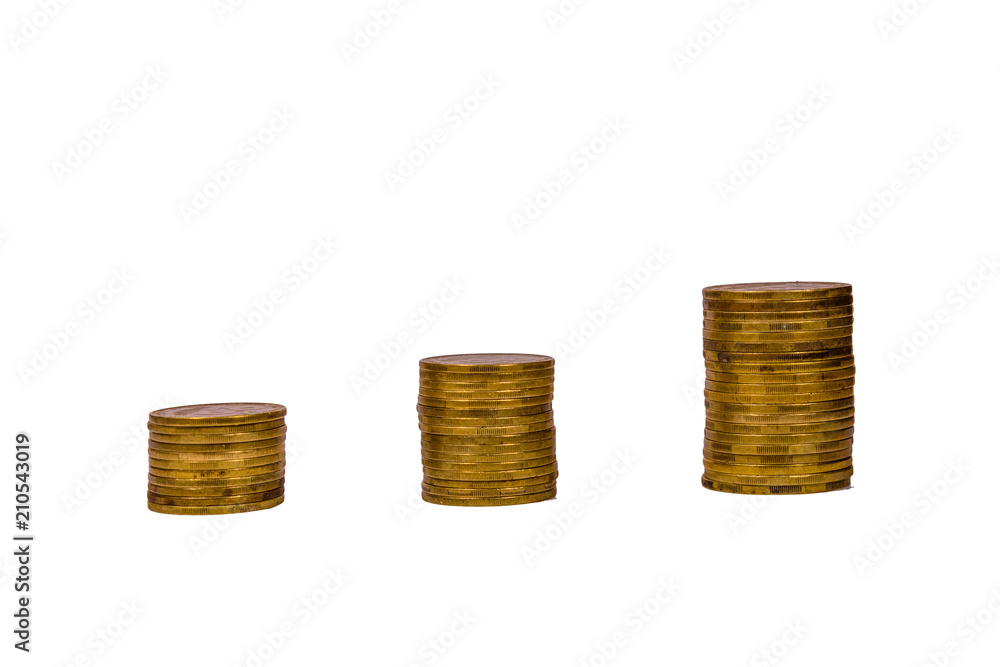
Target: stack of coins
(779,387)
(487,433)
(216,459)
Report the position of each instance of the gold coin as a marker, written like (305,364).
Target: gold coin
(487,363)
(216,465)
(216,456)
(780,368)
(512,376)
(490,475)
(216,509)
(778,347)
(196,501)
(779,419)
(782,378)
(218,474)
(777,459)
(485,421)
(482,450)
(216,482)
(762,317)
(777,291)
(778,450)
(486,493)
(530,392)
(780,429)
(776,389)
(453,413)
(488,462)
(778,399)
(489,502)
(218,414)
(751,358)
(774,490)
(768,327)
(776,336)
(214,430)
(491,431)
(781,480)
(511,385)
(498,487)
(767,470)
(780,408)
(198,439)
(797,439)
(437,439)
(221,448)
(215,491)
(498,403)
(776,306)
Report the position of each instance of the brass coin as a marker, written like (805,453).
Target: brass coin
(798,439)
(218,414)
(455,413)
(490,431)
(434,438)
(500,404)
(756,368)
(766,327)
(779,419)
(490,476)
(218,474)
(780,429)
(198,439)
(221,448)
(512,376)
(778,399)
(489,502)
(768,470)
(780,408)
(774,490)
(777,459)
(215,491)
(530,392)
(498,486)
(214,430)
(762,317)
(778,306)
(216,509)
(782,378)
(778,450)
(776,389)
(192,501)
(488,463)
(216,482)
(216,456)
(485,421)
(751,358)
(776,336)
(234,464)
(485,450)
(511,385)
(778,347)
(780,291)
(486,493)
(782,480)
(487,363)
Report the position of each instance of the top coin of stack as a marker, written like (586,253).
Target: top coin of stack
(779,387)
(221,458)
(487,433)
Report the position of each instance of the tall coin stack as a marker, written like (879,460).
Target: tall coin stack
(487,433)
(222,458)
(779,387)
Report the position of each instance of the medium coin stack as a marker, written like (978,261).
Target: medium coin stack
(222,458)
(487,433)
(779,387)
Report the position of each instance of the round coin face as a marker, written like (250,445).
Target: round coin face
(487,363)
(218,414)
(781,291)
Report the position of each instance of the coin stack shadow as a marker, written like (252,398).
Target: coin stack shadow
(779,387)
(487,432)
(221,458)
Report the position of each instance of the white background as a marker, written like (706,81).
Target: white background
(631,387)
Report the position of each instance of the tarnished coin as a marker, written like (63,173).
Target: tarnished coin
(490,431)
(770,327)
(778,399)
(218,474)
(434,438)
(781,419)
(492,475)
(776,336)
(489,395)
(192,501)
(498,403)
(777,459)
(753,489)
(782,378)
(753,358)
(218,414)
(782,480)
(216,456)
(216,509)
(511,376)
(494,487)
(488,450)
(486,493)
(815,428)
(215,491)
(488,462)
(776,306)
(216,482)
(782,470)
(489,502)
(780,347)
(485,421)
(779,408)
(454,413)
(215,430)
(776,389)
(221,448)
(778,316)
(758,368)
(776,450)
(214,465)
(778,291)
(487,363)
(209,439)
(799,439)
(511,385)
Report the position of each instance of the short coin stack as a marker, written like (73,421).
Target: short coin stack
(221,458)
(487,433)
(779,387)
